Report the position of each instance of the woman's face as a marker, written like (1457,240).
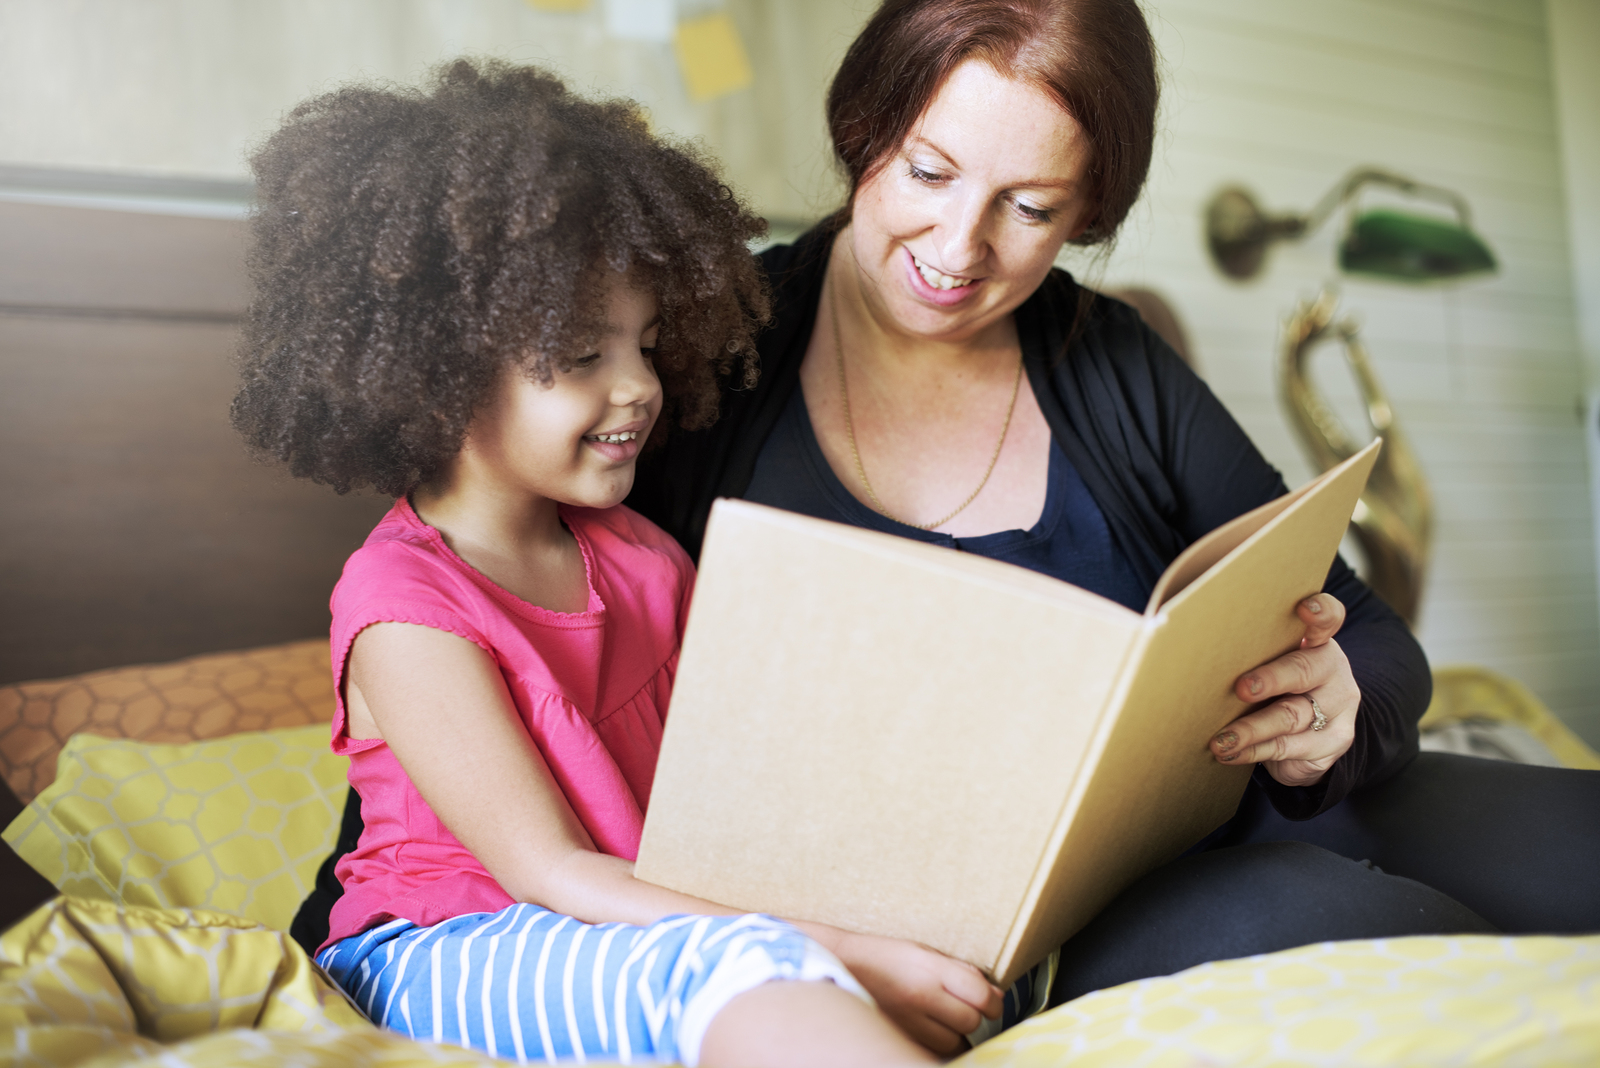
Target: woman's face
(961,224)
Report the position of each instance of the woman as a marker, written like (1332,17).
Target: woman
(927,373)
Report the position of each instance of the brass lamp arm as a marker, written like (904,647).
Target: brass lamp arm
(1239,232)
(1351,184)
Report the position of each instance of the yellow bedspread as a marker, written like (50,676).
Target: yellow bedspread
(120,972)
(90,982)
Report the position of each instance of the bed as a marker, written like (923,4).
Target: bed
(175,815)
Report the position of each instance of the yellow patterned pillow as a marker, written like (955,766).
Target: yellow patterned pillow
(1462,1000)
(91,983)
(238,824)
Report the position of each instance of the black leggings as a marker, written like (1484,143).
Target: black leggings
(1450,845)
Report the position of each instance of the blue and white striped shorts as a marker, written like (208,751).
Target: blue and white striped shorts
(531,984)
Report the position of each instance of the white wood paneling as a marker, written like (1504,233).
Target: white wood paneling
(188,86)
(1285,96)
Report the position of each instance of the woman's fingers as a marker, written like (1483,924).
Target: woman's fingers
(1296,671)
(1302,669)
(1308,725)
(1309,720)
(1323,615)
(1287,730)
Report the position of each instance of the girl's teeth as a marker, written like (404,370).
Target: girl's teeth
(615,439)
(937,279)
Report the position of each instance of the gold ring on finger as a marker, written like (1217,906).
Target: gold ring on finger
(1318,720)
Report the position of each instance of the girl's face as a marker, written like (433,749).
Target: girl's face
(575,440)
(963,222)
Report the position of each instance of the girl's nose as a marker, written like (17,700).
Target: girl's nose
(636,382)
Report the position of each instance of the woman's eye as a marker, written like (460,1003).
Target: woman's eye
(925,176)
(1031,213)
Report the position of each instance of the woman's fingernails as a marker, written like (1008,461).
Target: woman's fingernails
(1227,740)
(1313,606)
(1253,684)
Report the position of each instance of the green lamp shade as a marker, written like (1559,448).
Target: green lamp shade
(1412,248)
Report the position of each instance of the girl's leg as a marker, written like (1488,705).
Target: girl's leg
(1244,900)
(1517,844)
(532,985)
(805,1024)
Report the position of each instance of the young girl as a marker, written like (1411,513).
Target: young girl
(485,300)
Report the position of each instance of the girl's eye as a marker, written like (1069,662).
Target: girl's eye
(583,362)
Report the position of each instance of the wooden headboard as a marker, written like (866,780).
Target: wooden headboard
(137,527)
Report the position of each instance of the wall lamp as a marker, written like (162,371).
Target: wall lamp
(1382,242)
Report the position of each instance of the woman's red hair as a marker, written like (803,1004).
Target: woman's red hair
(1093,57)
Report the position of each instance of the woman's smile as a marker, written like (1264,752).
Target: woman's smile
(936,287)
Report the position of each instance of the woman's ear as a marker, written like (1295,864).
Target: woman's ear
(1085,221)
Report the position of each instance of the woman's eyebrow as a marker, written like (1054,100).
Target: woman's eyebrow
(918,141)
(1068,184)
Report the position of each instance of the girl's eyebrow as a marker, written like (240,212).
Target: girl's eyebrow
(616,328)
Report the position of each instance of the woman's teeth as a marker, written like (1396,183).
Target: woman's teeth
(614,439)
(937,279)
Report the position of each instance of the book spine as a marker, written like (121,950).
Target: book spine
(1018,953)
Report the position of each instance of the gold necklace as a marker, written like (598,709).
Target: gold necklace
(850,429)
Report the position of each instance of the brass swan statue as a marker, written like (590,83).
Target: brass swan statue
(1393,522)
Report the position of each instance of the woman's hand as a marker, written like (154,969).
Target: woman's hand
(933,998)
(1284,735)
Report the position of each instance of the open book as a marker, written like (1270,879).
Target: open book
(896,738)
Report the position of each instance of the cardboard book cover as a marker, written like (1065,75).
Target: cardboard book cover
(901,739)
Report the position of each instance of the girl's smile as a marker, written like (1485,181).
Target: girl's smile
(620,444)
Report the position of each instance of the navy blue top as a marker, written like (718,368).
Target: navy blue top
(1071,540)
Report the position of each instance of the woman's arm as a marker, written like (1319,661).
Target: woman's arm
(441,705)
(1373,673)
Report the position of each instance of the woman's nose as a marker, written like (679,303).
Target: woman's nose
(963,243)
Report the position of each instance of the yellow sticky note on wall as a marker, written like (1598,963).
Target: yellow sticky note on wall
(558,5)
(712,56)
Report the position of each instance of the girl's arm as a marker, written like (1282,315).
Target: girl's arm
(441,705)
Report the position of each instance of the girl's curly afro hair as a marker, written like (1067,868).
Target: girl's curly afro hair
(409,245)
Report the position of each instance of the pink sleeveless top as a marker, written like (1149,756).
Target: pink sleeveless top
(591,688)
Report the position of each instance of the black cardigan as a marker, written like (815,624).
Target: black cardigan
(1160,454)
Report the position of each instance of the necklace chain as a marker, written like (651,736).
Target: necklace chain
(850,429)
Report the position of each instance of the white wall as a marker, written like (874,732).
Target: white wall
(186,86)
(1575,63)
(1283,95)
